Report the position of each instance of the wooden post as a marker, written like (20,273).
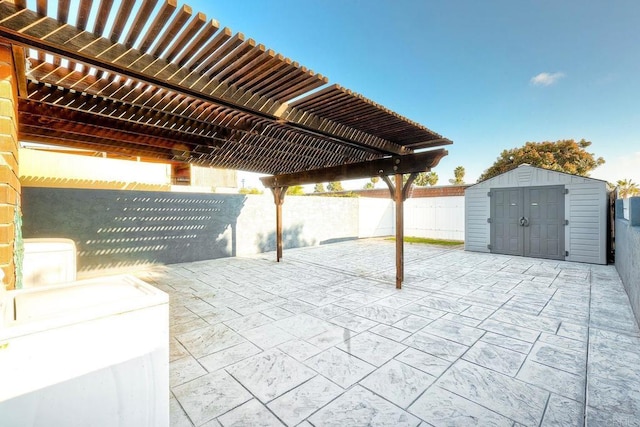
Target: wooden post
(278,198)
(399,200)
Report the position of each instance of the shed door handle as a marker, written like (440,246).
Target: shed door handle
(524,221)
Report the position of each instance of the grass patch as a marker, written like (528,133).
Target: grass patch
(427,241)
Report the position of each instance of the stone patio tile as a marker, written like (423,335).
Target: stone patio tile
(248,322)
(176,350)
(425,362)
(526,320)
(397,382)
(252,413)
(299,349)
(333,336)
(348,303)
(436,346)
(303,325)
(359,407)
(208,340)
(184,370)
(559,357)
(562,412)
(423,311)
(463,320)
(614,395)
(340,367)
(296,405)
(444,304)
(229,356)
(510,330)
(267,336)
(372,348)
(353,323)
(270,374)
(328,311)
(210,396)
(496,358)
(390,332)
(442,408)
(177,416)
(277,313)
(507,396)
(598,417)
(380,313)
(564,342)
(412,323)
(478,312)
(394,301)
(219,314)
(554,380)
(296,306)
(454,331)
(191,325)
(573,331)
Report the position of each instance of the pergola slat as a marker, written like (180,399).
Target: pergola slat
(141,18)
(165,12)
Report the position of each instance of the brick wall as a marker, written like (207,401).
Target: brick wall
(417,192)
(9,184)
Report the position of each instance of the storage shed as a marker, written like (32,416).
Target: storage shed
(540,213)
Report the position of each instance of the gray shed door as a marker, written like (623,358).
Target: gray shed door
(528,221)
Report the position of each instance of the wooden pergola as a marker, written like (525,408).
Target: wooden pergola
(155,81)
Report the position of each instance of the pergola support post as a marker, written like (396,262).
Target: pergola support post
(399,201)
(278,198)
(399,193)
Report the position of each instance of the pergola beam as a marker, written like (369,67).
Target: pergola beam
(418,162)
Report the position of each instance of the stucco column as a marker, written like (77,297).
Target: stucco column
(9,183)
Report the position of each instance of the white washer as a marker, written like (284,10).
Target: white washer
(88,353)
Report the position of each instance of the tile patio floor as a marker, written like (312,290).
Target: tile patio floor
(325,339)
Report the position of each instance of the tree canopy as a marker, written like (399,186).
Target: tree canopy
(335,186)
(295,190)
(458,173)
(627,188)
(564,155)
(426,178)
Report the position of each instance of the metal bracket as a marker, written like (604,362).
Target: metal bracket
(489,220)
(489,194)
(566,253)
(566,222)
(566,191)
(489,247)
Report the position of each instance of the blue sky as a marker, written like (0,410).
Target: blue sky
(467,69)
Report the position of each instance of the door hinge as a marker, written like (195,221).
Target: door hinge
(566,191)
(566,222)
(489,220)
(566,253)
(489,194)
(489,247)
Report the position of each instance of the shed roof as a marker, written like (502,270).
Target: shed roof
(165,83)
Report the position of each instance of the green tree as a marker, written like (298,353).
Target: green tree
(319,188)
(627,188)
(426,178)
(249,190)
(335,186)
(295,190)
(566,156)
(368,186)
(458,174)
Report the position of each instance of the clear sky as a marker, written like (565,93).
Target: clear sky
(489,75)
